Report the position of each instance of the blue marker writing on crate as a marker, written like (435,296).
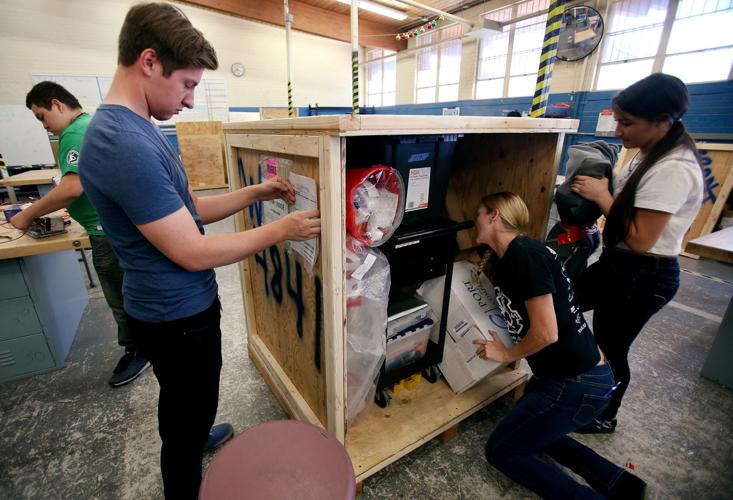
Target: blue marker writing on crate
(613,388)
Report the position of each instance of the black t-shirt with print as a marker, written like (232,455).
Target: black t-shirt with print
(529,269)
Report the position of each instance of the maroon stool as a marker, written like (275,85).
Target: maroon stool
(279,460)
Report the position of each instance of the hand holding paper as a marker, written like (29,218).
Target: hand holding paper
(277,188)
(301,225)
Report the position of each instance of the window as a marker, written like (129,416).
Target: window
(493,52)
(693,57)
(508,61)
(381,82)
(631,44)
(439,66)
(696,46)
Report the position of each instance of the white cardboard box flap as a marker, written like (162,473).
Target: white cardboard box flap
(473,312)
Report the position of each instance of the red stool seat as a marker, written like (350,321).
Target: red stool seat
(279,460)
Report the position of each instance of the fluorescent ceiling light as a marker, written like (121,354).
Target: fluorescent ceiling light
(378,9)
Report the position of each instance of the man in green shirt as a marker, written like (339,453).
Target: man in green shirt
(61,114)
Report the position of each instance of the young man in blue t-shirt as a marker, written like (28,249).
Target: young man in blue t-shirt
(155,224)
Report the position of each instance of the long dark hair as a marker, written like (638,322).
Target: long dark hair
(656,97)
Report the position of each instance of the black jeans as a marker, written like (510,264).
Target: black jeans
(536,429)
(186,359)
(625,290)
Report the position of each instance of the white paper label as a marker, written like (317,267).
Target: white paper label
(306,198)
(418,189)
(364,267)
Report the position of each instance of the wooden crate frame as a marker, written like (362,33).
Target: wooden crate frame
(519,154)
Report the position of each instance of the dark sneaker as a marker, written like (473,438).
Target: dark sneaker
(598,426)
(128,369)
(628,487)
(219,434)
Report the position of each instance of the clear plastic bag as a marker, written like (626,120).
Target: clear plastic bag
(367,295)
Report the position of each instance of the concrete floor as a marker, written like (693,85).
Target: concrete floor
(67,434)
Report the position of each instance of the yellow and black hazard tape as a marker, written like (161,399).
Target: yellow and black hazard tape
(355,82)
(547,57)
(290,99)
(707,276)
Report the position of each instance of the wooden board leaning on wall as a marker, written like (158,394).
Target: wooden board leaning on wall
(202,153)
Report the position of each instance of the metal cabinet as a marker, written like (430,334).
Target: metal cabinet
(42,299)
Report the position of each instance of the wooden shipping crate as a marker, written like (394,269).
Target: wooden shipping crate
(296,316)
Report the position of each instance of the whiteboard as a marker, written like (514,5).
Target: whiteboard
(23,141)
(209,97)
(85,88)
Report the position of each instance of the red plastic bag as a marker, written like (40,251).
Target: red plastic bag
(375,200)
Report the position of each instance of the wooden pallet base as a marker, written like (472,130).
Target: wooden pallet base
(448,434)
(383,435)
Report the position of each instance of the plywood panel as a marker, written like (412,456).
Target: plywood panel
(202,153)
(271,113)
(287,299)
(717,245)
(522,163)
(717,185)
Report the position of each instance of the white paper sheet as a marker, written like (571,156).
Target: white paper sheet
(306,198)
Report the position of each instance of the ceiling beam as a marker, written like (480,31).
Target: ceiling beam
(309,19)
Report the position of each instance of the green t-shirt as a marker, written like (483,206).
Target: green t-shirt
(69,147)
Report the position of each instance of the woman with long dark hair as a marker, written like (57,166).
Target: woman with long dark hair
(656,198)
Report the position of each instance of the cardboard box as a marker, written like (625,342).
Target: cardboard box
(473,311)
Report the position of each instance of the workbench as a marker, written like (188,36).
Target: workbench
(41,178)
(42,299)
(297,313)
(719,363)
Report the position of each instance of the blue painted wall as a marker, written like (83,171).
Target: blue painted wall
(711,111)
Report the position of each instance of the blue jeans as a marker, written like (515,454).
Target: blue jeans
(536,429)
(625,290)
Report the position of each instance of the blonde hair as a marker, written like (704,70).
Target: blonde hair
(512,209)
(513,212)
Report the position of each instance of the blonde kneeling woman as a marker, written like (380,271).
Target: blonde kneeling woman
(572,382)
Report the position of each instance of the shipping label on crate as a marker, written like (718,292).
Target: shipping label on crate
(273,210)
(306,198)
(418,189)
